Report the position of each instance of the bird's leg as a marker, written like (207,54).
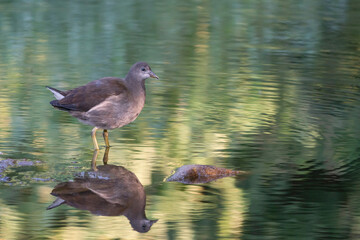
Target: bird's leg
(106,156)
(106,138)
(93,161)
(93,136)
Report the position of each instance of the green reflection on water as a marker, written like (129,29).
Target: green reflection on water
(270,87)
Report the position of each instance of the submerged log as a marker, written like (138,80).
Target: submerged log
(197,174)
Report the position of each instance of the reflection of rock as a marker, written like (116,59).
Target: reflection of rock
(5,163)
(109,191)
(195,174)
(8,163)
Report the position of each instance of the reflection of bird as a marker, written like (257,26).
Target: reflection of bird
(106,103)
(109,191)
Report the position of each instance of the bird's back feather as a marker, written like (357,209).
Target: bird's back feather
(85,97)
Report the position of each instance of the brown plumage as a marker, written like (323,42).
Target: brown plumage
(74,99)
(109,191)
(106,103)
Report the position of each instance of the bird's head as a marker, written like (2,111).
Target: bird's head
(141,71)
(142,225)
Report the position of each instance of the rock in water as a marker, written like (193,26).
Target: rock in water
(196,174)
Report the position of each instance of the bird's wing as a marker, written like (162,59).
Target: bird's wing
(111,195)
(117,191)
(88,96)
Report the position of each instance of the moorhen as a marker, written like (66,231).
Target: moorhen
(106,103)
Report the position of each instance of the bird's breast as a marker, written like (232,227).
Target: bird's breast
(128,111)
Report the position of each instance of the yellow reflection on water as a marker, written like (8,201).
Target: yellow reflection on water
(10,220)
(5,122)
(233,215)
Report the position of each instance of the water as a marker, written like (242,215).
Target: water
(268,87)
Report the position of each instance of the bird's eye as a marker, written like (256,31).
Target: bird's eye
(143,69)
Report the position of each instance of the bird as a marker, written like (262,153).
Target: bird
(109,191)
(106,103)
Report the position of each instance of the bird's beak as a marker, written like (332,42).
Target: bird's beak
(153,75)
(153,221)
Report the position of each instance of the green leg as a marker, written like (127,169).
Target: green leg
(93,161)
(93,136)
(106,138)
(106,156)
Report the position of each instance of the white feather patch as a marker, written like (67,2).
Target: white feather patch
(57,95)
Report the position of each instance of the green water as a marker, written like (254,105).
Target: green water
(269,87)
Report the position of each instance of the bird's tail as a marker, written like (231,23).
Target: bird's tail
(56,203)
(57,93)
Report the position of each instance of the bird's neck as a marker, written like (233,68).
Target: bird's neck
(136,87)
(136,210)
